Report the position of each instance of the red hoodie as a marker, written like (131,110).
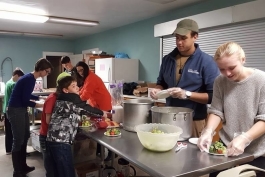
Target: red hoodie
(96,92)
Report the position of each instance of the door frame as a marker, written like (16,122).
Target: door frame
(45,54)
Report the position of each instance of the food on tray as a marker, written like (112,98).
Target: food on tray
(156,130)
(217,148)
(113,131)
(86,123)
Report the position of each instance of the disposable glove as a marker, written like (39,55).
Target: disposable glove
(154,92)
(238,144)
(205,139)
(177,92)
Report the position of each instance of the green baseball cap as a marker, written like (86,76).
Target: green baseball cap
(62,75)
(185,26)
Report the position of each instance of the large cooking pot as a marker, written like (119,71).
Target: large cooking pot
(178,116)
(136,111)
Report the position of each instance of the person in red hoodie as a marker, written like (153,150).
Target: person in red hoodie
(93,90)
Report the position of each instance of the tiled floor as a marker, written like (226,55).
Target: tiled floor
(35,159)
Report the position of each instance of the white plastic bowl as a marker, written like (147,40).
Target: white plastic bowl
(156,141)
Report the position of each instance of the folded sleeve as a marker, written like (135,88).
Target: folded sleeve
(217,106)
(261,108)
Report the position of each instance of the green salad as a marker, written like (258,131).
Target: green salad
(217,148)
(156,130)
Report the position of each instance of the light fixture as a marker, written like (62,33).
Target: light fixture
(21,9)
(72,21)
(23,17)
(42,19)
(30,14)
(29,34)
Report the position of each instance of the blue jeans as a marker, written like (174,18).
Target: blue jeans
(49,163)
(62,155)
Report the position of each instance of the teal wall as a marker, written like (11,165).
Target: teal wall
(138,41)
(25,51)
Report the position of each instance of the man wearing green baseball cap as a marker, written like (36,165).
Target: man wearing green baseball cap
(188,74)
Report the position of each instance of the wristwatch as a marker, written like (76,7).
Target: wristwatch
(188,94)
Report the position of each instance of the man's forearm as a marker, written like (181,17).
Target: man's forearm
(199,97)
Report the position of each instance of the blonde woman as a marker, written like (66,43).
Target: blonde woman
(239,102)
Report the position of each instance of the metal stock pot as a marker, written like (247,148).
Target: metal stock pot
(136,111)
(178,116)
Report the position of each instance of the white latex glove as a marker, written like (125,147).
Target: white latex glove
(154,92)
(177,92)
(238,144)
(205,139)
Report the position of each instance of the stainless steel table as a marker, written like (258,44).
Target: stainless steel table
(189,162)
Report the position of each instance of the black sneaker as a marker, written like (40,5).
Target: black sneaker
(28,169)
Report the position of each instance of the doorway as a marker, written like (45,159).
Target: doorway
(57,69)
(55,73)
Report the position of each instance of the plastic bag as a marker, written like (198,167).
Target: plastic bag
(116,92)
(121,55)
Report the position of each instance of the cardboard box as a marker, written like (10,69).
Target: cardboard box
(35,142)
(151,85)
(87,169)
(84,150)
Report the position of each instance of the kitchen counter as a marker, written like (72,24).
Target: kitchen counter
(144,97)
(187,162)
(44,92)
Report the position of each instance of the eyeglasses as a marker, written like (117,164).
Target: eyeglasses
(80,70)
(47,71)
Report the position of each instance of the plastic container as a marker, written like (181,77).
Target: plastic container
(158,141)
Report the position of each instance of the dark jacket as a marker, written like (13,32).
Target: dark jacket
(198,75)
(66,117)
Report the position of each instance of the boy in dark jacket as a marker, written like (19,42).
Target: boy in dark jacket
(64,124)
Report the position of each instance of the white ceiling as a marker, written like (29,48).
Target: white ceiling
(110,14)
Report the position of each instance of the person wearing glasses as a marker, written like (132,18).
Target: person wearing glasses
(94,92)
(20,99)
(93,89)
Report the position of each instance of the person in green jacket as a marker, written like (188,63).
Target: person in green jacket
(17,73)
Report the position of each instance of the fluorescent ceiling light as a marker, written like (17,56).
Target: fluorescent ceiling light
(23,17)
(30,14)
(29,34)
(19,8)
(72,21)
